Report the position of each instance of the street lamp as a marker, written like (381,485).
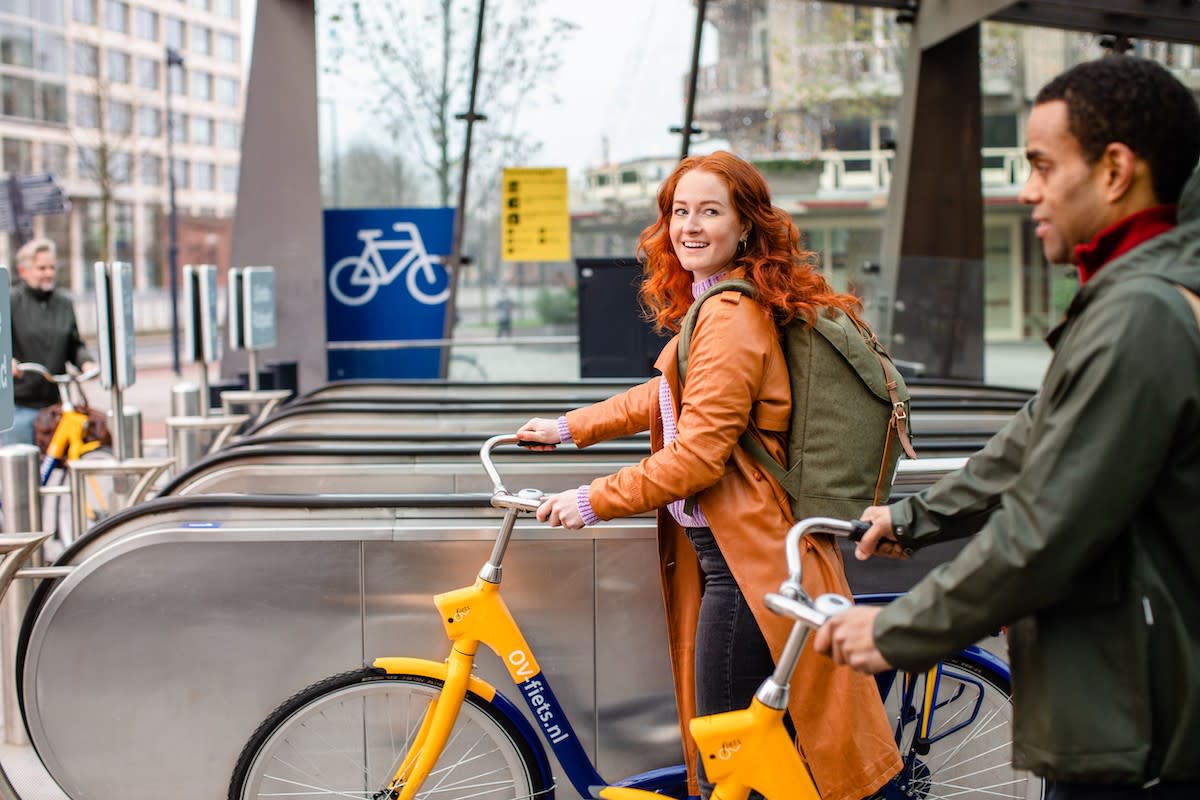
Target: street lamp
(174,59)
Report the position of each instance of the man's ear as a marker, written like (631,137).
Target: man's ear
(1123,172)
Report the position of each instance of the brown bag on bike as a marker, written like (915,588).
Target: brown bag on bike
(47,421)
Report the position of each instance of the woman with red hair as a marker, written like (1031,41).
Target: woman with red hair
(721,554)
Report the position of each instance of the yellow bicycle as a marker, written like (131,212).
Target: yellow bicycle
(405,728)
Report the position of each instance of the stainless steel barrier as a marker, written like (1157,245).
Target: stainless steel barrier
(22,504)
(146,470)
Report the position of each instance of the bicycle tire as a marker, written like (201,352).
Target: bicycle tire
(367,294)
(974,760)
(343,737)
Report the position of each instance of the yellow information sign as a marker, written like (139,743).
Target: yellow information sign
(535,224)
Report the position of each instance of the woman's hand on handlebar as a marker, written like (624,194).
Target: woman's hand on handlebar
(541,434)
(561,510)
(879,540)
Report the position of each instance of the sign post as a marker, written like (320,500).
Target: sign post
(535,222)
(115,339)
(252,314)
(202,339)
(386,286)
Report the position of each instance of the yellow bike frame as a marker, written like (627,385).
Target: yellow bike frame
(471,615)
(67,444)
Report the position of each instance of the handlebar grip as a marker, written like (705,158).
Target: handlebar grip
(526,443)
(858,529)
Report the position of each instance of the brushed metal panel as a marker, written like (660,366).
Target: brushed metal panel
(636,713)
(158,664)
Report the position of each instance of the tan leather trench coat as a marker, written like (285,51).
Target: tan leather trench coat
(736,371)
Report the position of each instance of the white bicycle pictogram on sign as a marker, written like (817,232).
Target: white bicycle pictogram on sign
(369,272)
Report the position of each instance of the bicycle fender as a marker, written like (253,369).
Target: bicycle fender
(403,665)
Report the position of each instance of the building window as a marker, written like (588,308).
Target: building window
(116,16)
(120,117)
(202,5)
(117,66)
(202,130)
(205,177)
(87,163)
(51,13)
(16,45)
(149,121)
(226,8)
(179,123)
(180,167)
(178,80)
(201,85)
(120,166)
(146,24)
(123,232)
(227,91)
(629,176)
(85,59)
(151,170)
(201,40)
(87,110)
(175,33)
(18,156)
(54,102)
(50,54)
(54,158)
(16,97)
(84,11)
(228,135)
(229,179)
(227,47)
(147,72)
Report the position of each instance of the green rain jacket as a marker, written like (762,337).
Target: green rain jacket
(1086,515)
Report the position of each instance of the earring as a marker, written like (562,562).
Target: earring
(741,246)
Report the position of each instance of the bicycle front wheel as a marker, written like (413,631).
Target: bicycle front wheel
(967,751)
(347,735)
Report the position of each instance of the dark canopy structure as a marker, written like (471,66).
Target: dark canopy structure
(933,228)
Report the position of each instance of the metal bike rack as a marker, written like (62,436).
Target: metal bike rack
(181,436)
(149,469)
(264,400)
(16,550)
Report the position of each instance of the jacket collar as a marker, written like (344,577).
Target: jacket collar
(1121,237)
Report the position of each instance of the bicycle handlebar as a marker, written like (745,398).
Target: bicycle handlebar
(63,379)
(525,499)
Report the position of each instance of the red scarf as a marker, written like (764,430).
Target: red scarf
(1121,237)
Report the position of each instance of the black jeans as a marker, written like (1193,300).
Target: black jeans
(1101,791)
(732,657)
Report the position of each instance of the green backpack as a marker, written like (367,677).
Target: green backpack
(849,413)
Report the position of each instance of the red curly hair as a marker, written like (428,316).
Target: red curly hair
(788,281)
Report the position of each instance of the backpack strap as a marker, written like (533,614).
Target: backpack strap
(681,362)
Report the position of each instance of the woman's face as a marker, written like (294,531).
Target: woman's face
(705,228)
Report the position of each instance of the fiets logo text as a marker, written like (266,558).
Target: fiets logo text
(460,613)
(728,749)
(536,695)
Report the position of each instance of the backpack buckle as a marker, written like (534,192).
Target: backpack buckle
(898,410)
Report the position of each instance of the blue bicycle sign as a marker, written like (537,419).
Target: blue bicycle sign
(355,279)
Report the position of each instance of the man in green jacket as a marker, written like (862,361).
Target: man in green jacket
(44,331)
(1085,507)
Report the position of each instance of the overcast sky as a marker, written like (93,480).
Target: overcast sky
(621,83)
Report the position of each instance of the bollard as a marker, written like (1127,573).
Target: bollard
(132,444)
(185,446)
(22,504)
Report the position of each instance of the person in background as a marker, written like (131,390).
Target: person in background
(504,320)
(719,558)
(1084,507)
(44,330)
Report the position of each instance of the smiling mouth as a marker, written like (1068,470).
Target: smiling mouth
(694,245)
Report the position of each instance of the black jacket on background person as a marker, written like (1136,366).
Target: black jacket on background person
(43,330)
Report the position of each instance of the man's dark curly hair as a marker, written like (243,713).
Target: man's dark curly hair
(1136,102)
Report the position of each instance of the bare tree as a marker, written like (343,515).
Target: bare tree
(103,137)
(371,176)
(420,53)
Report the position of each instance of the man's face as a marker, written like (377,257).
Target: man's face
(1066,192)
(39,273)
